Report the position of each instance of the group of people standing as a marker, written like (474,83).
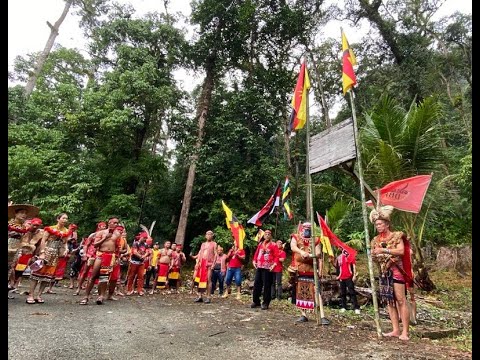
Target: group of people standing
(105,258)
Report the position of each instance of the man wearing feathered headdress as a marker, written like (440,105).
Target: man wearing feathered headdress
(391,251)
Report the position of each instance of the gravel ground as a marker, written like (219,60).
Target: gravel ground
(173,327)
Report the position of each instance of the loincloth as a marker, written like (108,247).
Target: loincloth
(106,266)
(162,275)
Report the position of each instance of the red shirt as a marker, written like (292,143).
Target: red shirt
(235,261)
(266,255)
(279,265)
(345,267)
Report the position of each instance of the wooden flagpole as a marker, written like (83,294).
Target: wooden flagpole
(321,319)
(365,216)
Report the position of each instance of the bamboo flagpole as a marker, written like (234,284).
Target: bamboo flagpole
(319,313)
(365,217)
(349,80)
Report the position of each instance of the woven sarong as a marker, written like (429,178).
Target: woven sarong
(386,288)
(305,292)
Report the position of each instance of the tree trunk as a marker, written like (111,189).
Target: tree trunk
(202,112)
(32,80)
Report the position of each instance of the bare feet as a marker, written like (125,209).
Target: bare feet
(404,337)
(391,334)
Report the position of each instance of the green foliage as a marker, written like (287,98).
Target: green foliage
(95,137)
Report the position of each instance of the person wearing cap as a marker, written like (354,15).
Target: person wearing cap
(53,239)
(88,257)
(105,242)
(391,251)
(206,258)
(303,292)
(264,260)
(17,214)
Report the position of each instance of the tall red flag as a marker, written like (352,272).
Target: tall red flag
(335,241)
(298,116)
(406,194)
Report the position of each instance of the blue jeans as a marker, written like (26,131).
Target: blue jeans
(217,275)
(234,273)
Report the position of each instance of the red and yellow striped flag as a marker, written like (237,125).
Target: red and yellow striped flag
(299,100)
(348,60)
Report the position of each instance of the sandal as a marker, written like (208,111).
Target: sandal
(30,301)
(84,301)
(39,300)
(99,300)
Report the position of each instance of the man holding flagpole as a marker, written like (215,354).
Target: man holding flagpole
(304,288)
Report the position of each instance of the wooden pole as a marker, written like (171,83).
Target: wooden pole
(319,314)
(365,216)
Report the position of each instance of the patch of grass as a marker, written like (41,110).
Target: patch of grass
(453,290)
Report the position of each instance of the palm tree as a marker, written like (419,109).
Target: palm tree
(397,144)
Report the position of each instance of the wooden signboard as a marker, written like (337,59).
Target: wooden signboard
(332,147)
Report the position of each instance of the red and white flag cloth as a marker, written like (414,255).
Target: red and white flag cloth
(406,194)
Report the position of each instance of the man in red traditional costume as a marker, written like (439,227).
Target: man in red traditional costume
(264,261)
(206,258)
(120,249)
(88,258)
(105,243)
(164,265)
(303,295)
(178,259)
(391,251)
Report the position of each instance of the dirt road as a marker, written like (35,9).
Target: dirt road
(173,327)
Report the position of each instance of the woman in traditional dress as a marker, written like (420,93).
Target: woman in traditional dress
(54,238)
